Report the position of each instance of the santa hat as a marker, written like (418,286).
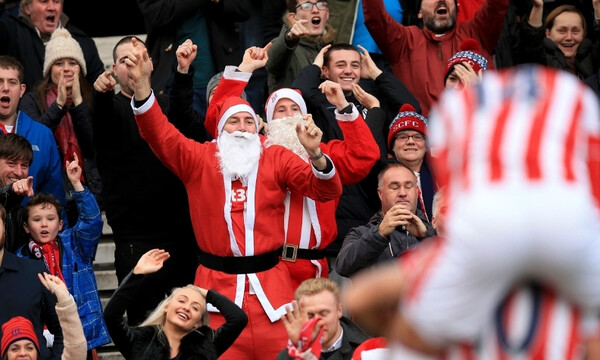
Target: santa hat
(407,119)
(284,93)
(371,349)
(468,53)
(228,108)
(61,46)
(17,328)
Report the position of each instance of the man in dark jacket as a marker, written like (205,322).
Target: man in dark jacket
(25,36)
(398,227)
(318,300)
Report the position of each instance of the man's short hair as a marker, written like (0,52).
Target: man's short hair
(311,287)
(291,5)
(334,47)
(388,167)
(9,62)
(125,40)
(24,3)
(41,199)
(16,148)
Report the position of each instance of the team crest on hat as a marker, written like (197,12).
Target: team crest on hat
(407,119)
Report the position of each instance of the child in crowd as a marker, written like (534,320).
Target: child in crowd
(69,254)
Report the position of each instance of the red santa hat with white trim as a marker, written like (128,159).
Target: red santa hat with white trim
(407,119)
(371,349)
(284,93)
(226,109)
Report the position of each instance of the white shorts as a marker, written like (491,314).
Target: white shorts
(498,238)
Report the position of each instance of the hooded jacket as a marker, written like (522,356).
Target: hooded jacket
(364,246)
(287,57)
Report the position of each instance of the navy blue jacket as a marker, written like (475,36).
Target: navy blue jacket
(22,294)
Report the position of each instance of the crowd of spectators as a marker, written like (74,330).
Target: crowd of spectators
(199,189)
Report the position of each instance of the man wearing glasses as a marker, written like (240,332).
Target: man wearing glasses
(303,35)
(406,141)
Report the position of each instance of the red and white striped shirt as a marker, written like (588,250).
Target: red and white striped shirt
(500,133)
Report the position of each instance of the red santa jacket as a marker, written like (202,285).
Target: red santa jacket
(310,224)
(210,197)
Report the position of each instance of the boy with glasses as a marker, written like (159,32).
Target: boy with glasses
(303,35)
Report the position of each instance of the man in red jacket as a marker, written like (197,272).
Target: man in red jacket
(418,56)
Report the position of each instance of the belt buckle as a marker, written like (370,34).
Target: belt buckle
(289,253)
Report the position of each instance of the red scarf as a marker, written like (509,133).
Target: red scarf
(50,254)
(65,136)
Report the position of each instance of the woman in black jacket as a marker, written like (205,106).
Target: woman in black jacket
(178,327)
(559,41)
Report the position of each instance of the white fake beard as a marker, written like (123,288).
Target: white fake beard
(238,154)
(283,132)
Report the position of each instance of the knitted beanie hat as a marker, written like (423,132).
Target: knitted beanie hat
(228,108)
(60,46)
(407,119)
(284,93)
(468,53)
(214,82)
(17,328)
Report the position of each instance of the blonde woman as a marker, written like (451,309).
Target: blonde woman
(178,327)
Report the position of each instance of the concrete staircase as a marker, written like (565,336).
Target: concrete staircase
(107,282)
(104,264)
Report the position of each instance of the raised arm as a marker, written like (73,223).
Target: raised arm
(181,111)
(120,332)
(66,309)
(531,36)
(88,229)
(235,321)
(389,35)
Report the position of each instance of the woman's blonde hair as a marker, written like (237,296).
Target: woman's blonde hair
(157,317)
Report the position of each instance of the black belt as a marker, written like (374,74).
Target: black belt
(240,264)
(258,263)
(292,253)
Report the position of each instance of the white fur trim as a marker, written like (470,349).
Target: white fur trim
(145,106)
(234,110)
(284,93)
(231,72)
(321,175)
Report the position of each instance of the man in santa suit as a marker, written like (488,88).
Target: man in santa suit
(236,189)
(310,225)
